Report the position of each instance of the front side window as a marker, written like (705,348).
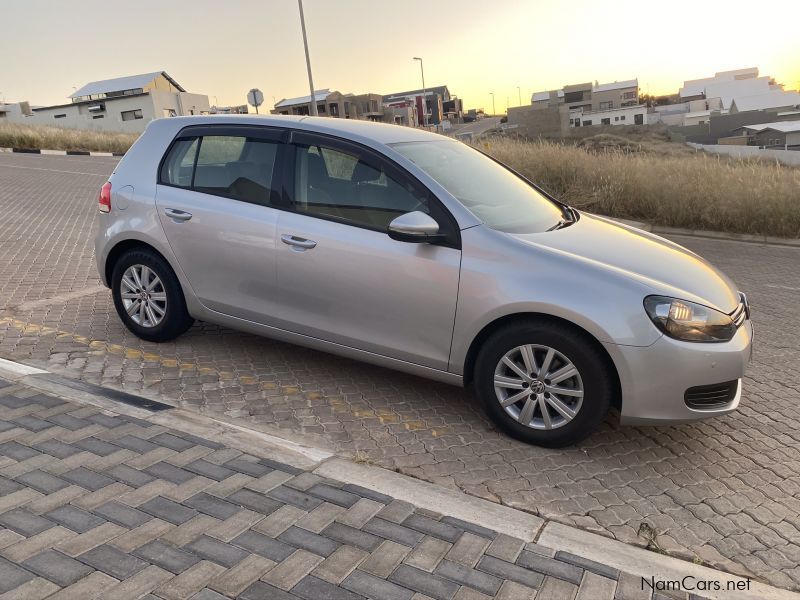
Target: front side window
(342,185)
(495,195)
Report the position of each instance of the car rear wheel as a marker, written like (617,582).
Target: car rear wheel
(148,296)
(543,382)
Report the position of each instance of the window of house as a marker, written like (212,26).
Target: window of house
(98,116)
(345,186)
(628,95)
(616,118)
(638,119)
(605,121)
(606,105)
(131,115)
(622,118)
(587,123)
(61,116)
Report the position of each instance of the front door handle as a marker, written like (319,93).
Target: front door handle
(298,242)
(177,215)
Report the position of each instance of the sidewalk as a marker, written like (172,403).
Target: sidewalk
(98,503)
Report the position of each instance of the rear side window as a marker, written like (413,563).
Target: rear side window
(236,167)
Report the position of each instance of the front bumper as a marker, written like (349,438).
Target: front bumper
(653,379)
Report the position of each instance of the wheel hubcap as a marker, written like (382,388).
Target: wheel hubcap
(538,386)
(143,296)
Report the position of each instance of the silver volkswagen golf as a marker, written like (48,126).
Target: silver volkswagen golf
(413,251)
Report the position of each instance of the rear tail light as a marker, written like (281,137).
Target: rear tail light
(104,200)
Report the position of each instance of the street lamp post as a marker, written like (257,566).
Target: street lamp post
(313,105)
(424,94)
(493,110)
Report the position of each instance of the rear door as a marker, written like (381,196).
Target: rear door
(214,198)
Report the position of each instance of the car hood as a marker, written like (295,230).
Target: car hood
(662,265)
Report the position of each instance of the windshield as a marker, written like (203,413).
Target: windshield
(491,192)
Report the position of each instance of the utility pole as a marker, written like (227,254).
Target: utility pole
(424,94)
(519,93)
(493,110)
(313,105)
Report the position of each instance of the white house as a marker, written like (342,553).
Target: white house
(125,104)
(628,115)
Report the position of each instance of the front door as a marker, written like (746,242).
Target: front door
(214,195)
(342,278)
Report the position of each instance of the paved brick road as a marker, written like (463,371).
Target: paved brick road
(99,505)
(726,491)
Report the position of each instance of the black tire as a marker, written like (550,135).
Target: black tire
(176,320)
(594,372)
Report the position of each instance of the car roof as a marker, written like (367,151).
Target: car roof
(383,133)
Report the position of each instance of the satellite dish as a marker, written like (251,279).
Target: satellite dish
(255,98)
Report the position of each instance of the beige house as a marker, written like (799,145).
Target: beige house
(125,104)
(334,104)
(590,97)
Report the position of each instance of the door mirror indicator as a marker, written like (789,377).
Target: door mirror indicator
(413,227)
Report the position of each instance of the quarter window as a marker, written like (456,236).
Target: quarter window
(343,185)
(178,166)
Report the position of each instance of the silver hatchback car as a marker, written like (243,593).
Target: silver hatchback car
(419,253)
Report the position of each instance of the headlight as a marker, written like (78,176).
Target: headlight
(687,321)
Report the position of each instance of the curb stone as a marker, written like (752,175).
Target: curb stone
(60,152)
(714,235)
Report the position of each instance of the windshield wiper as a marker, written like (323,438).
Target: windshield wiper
(570,216)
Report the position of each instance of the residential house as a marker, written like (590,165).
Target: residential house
(435,99)
(125,104)
(334,104)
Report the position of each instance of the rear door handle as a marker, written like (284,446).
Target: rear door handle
(177,215)
(298,242)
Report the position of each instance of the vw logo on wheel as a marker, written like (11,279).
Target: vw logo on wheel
(537,387)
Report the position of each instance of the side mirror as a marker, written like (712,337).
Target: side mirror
(415,227)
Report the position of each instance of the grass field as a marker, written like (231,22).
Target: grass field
(662,184)
(14,135)
(636,174)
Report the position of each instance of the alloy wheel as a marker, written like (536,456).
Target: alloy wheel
(538,386)
(143,295)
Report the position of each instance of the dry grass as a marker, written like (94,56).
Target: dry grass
(13,135)
(663,187)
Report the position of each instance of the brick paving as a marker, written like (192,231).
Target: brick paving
(724,491)
(102,505)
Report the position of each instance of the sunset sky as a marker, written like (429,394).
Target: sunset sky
(225,47)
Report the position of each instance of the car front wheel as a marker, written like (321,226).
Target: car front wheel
(543,382)
(148,296)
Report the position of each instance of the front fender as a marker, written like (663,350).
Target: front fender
(500,278)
